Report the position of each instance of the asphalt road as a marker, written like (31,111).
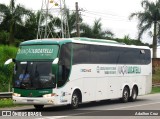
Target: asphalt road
(146,107)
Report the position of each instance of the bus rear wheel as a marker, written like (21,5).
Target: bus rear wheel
(125,95)
(134,94)
(38,107)
(75,100)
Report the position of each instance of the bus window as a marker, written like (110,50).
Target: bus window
(64,64)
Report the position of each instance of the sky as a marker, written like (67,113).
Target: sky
(114,14)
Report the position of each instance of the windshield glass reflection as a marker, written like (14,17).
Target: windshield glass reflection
(33,75)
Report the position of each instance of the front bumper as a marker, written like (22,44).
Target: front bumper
(34,100)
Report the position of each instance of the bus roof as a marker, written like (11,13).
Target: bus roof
(47,41)
(65,40)
(83,40)
(96,40)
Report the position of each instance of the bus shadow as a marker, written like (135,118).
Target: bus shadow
(106,103)
(83,106)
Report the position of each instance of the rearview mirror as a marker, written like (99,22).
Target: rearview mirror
(55,61)
(8,61)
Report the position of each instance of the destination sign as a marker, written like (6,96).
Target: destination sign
(37,52)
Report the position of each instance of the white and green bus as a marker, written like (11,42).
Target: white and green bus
(77,70)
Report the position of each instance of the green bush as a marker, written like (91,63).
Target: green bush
(6,72)
(4,37)
(6,103)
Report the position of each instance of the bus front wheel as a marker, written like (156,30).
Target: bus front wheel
(75,100)
(125,95)
(38,107)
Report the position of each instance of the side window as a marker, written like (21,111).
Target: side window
(99,54)
(103,54)
(134,56)
(145,56)
(81,54)
(64,64)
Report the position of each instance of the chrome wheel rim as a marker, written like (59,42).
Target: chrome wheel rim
(74,100)
(125,95)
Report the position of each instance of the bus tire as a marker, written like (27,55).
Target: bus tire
(125,95)
(134,94)
(75,100)
(38,107)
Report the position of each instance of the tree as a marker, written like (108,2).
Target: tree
(3,37)
(72,22)
(95,31)
(128,41)
(86,30)
(12,16)
(148,18)
(31,26)
(71,19)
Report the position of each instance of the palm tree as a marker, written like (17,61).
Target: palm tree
(12,16)
(95,31)
(148,18)
(30,28)
(86,30)
(127,39)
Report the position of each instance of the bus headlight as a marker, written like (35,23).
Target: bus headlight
(16,94)
(49,95)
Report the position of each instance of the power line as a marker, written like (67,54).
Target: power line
(107,17)
(103,13)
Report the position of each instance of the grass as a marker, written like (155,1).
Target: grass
(156,75)
(6,103)
(155,90)
(156,79)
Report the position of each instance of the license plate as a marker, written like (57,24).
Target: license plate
(29,100)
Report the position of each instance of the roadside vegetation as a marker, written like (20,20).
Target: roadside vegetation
(156,89)
(6,103)
(156,75)
(6,52)
(156,80)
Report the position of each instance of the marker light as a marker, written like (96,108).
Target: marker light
(49,95)
(51,1)
(16,94)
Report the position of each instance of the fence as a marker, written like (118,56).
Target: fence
(155,64)
(6,95)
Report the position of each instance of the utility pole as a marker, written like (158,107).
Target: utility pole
(77,20)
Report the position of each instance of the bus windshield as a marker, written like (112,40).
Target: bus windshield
(33,75)
(33,66)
